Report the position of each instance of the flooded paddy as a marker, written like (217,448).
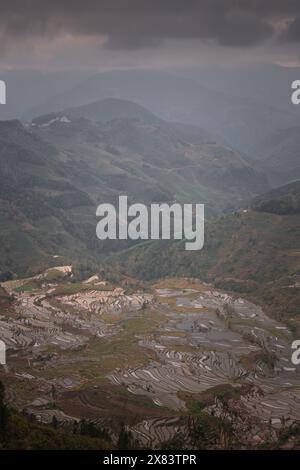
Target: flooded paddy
(152,355)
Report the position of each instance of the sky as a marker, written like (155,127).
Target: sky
(108,34)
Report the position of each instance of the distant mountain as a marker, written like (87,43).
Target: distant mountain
(283,200)
(242,105)
(141,145)
(101,111)
(281,155)
(265,82)
(28,88)
(55,171)
(243,120)
(112,108)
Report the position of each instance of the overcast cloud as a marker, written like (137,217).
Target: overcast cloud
(128,26)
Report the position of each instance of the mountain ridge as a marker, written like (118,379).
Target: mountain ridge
(57,170)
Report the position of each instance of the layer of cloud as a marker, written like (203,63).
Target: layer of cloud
(292,31)
(130,24)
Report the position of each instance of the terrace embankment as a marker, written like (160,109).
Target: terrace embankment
(154,360)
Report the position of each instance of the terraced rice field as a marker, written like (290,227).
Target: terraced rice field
(147,359)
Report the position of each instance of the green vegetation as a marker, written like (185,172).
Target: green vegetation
(146,323)
(284,200)
(223,393)
(18,432)
(53,177)
(52,275)
(28,286)
(266,357)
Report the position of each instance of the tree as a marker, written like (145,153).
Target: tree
(3,410)
(54,422)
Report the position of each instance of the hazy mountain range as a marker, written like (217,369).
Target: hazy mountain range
(80,151)
(58,167)
(245,107)
(56,170)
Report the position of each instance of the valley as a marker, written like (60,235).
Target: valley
(144,344)
(149,231)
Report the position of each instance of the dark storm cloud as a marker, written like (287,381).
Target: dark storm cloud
(292,32)
(130,24)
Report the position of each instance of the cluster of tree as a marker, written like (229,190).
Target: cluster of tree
(6,276)
(21,432)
